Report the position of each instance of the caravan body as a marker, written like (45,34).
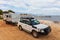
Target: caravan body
(12,18)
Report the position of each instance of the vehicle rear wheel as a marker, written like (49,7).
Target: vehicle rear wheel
(20,27)
(35,34)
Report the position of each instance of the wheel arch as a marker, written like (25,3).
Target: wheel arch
(34,30)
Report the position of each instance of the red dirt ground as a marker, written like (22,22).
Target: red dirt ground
(10,32)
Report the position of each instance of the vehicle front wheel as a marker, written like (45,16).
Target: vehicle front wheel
(20,27)
(35,34)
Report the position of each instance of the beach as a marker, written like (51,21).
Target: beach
(11,32)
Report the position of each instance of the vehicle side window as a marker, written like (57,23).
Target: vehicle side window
(27,22)
(21,20)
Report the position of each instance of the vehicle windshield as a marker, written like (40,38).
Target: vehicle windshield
(35,22)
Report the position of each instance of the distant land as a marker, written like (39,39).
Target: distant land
(45,17)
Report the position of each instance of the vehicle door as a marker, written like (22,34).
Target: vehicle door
(22,23)
(28,25)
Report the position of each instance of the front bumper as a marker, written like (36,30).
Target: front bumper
(46,30)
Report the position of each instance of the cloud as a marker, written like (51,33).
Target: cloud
(13,5)
(32,6)
(50,7)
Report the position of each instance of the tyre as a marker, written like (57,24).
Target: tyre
(20,27)
(35,34)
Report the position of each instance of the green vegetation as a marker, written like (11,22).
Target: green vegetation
(11,11)
(1,18)
(1,12)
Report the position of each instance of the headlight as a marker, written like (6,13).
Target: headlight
(42,31)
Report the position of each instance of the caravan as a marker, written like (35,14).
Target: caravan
(11,18)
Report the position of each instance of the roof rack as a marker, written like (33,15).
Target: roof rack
(27,17)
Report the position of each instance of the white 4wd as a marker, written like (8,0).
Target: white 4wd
(33,26)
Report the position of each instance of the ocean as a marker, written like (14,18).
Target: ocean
(51,18)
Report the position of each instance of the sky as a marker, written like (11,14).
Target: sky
(37,7)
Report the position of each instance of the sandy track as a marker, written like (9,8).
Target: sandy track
(10,32)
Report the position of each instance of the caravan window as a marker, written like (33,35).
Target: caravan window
(9,16)
(6,15)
